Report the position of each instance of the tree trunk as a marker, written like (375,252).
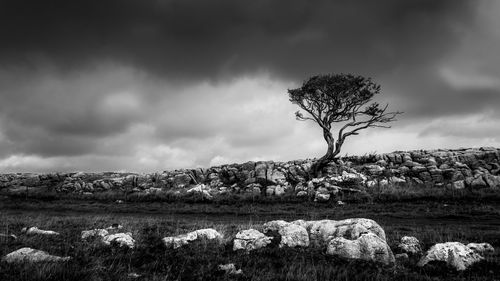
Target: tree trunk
(331,152)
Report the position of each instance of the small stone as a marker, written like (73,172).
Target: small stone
(230,268)
(122,239)
(410,244)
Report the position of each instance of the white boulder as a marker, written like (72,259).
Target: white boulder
(410,244)
(33,256)
(184,239)
(324,230)
(455,254)
(367,246)
(292,235)
(86,234)
(122,239)
(250,239)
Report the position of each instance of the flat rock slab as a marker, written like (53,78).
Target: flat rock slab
(184,239)
(36,231)
(24,255)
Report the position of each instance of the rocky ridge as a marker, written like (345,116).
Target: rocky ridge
(474,168)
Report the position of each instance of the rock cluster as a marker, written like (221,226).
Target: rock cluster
(110,236)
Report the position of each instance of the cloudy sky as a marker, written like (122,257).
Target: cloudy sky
(126,85)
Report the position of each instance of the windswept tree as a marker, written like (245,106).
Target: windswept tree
(344,99)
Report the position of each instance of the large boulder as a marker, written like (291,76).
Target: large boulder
(455,254)
(410,245)
(33,256)
(250,239)
(367,246)
(184,239)
(324,230)
(121,239)
(292,235)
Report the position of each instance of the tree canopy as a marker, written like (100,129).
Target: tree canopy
(344,99)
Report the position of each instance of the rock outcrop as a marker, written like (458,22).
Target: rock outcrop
(476,168)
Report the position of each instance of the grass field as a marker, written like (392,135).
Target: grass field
(430,222)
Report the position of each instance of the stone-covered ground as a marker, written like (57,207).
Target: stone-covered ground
(151,259)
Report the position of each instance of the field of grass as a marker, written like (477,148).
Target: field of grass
(430,222)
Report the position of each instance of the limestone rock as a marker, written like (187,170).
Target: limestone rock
(230,268)
(367,246)
(324,230)
(455,254)
(184,239)
(458,184)
(122,239)
(250,239)
(86,234)
(292,235)
(33,256)
(481,248)
(410,244)
(36,231)
(321,197)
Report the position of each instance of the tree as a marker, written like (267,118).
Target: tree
(343,99)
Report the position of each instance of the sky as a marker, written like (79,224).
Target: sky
(146,86)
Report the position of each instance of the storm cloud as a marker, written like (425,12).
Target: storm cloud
(153,85)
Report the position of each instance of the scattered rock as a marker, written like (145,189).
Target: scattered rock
(133,275)
(455,254)
(410,245)
(121,239)
(86,234)
(230,268)
(36,231)
(367,246)
(321,197)
(292,235)
(250,239)
(31,255)
(184,239)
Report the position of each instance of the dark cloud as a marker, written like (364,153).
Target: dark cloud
(142,85)
(214,39)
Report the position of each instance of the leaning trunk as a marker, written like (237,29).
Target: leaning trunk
(331,152)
